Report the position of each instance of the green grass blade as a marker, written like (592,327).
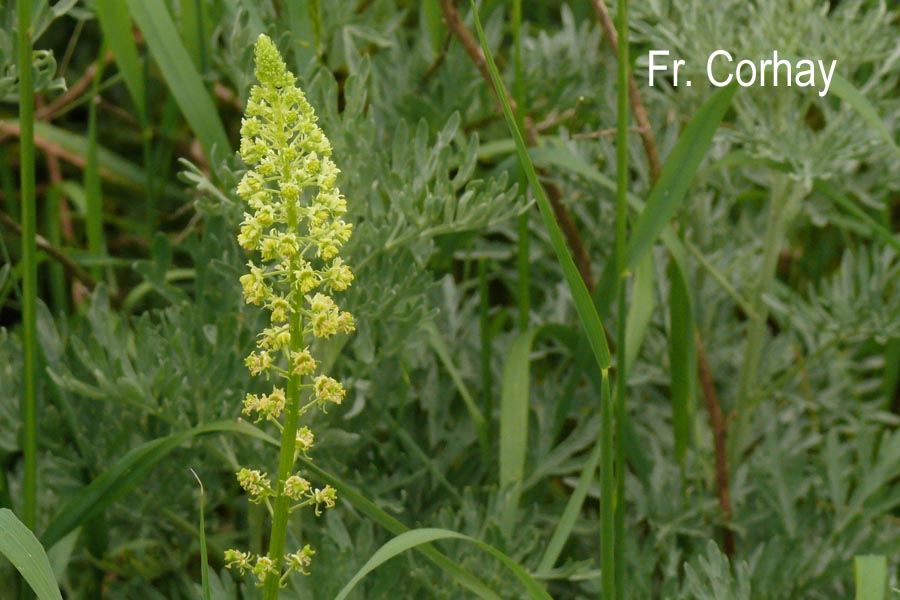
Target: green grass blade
(847,92)
(417,537)
(122,477)
(870,573)
(584,305)
(607,491)
(204,557)
(182,77)
(640,310)
(23,550)
(570,514)
(93,189)
(29,265)
(374,512)
(115,21)
(514,408)
(677,173)
(682,355)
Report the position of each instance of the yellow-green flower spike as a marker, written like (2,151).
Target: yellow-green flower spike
(294,231)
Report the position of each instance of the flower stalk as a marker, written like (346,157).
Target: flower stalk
(296,230)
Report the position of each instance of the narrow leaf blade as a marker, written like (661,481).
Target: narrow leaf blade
(23,550)
(677,173)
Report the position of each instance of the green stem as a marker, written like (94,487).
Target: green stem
(278,538)
(29,265)
(523,262)
(621,307)
(485,332)
(92,182)
(607,492)
(783,204)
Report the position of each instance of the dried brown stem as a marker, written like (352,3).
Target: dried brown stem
(582,259)
(720,432)
(637,105)
(73,269)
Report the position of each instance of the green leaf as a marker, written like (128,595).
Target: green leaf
(584,304)
(640,310)
(417,537)
(870,573)
(677,173)
(514,407)
(180,74)
(682,354)
(115,21)
(24,551)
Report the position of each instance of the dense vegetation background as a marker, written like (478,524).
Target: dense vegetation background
(777,464)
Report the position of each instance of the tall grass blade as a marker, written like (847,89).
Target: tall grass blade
(640,311)
(584,305)
(514,408)
(870,573)
(93,188)
(607,492)
(204,557)
(682,355)
(677,173)
(29,265)
(115,22)
(182,77)
(417,537)
(570,514)
(122,477)
(23,550)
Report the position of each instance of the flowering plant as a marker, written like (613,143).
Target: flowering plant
(297,230)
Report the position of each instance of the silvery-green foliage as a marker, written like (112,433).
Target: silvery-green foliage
(814,137)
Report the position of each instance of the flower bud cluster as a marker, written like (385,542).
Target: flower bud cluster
(295,229)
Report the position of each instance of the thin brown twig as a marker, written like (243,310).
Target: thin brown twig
(582,259)
(73,269)
(718,423)
(720,429)
(637,105)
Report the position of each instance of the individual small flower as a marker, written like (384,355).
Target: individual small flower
(339,275)
(256,363)
(254,483)
(305,439)
(300,560)
(326,496)
(275,338)
(263,568)
(235,559)
(268,406)
(281,309)
(295,487)
(328,390)
(302,363)
(255,289)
